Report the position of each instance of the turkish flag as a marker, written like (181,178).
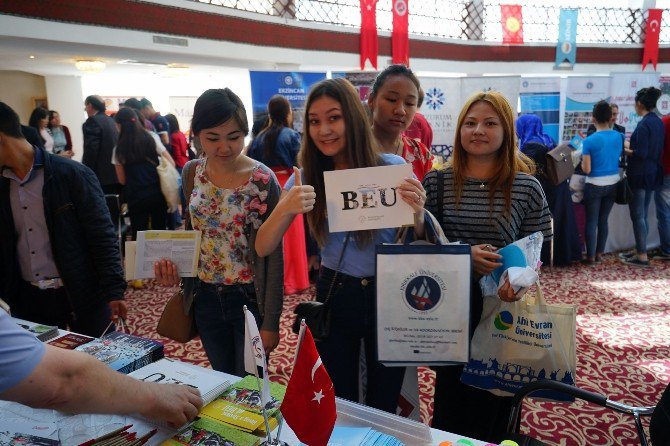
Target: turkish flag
(309,402)
(400,34)
(369,45)
(651,38)
(512,23)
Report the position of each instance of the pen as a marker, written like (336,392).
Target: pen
(106,436)
(144,438)
(124,438)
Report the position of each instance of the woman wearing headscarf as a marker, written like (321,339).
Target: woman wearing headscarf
(534,143)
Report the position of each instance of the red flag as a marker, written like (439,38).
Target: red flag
(512,23)
(400,34)
(309,402)
(651,38)
(369,46)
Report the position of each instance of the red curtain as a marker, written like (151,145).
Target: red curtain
(400,34)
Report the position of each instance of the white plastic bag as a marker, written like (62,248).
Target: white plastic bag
(169,179)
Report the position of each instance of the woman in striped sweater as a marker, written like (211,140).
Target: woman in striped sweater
(489,200)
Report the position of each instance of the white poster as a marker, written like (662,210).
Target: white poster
(507,85)
(441,105)
(581,94)
(182,108)
(622,93)
(360,199)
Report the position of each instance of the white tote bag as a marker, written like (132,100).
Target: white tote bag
(519,342)
(169,179)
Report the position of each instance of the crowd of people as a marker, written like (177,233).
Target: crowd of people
(260,207)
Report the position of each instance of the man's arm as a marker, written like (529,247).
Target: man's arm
(75,382)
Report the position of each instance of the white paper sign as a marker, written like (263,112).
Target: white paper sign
(182,247)
(423,304)
(360,199)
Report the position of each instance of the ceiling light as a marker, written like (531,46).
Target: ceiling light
(174,69)
(31,56)
(90,66)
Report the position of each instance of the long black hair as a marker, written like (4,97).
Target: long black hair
(279,110)
(135,144)
(35,117)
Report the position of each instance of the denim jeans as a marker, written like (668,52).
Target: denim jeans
(662,200)
(352,319)
(220,321)
(638,208)
(598,201)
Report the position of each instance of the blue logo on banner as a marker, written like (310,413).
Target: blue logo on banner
(423,293)
(566,48)
(434,98)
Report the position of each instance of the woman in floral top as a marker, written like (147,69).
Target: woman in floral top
(393,101)
(232,195)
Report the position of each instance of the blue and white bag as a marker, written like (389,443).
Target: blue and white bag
(519,342)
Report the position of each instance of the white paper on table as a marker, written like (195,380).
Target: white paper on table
(182,247)
(366,198)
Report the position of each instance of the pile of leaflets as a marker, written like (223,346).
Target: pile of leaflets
(41,331)
(123,352)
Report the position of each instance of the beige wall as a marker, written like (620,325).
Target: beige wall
(17,89)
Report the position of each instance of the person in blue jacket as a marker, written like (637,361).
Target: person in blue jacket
(644,170)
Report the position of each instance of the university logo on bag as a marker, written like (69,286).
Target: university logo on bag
(423,290)
(504,320)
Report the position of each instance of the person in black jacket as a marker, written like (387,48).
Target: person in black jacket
(60,262)
(100,137)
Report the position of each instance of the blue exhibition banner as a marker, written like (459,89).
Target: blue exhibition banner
(541,96)
(294,86)
(566,48)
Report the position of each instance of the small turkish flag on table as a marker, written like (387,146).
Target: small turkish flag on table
(309,402)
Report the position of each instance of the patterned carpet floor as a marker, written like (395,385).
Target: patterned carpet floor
(623,347)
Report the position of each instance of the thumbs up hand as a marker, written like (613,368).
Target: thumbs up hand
(300,199)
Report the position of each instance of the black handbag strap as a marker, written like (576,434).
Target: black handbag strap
(339,263)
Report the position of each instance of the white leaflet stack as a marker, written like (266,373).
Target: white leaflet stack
(254,354)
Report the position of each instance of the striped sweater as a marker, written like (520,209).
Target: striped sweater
(473,223)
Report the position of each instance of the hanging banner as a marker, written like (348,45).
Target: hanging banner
(512,24)
(507,85)
(541,96)
(400,34)
(292,85)
(361,80)
(566,48)
(622,93)
(441,105)
(369,44)
(651,36)
(581,95)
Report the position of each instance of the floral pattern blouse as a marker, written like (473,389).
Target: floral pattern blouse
(222,216)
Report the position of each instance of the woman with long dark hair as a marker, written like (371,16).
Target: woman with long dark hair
(277,146)
(39,120)
(60,135)
(136,157)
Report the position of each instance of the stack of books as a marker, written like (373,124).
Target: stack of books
(70,341)
(41,332)
(210,383)
(234,418)
(123,352)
